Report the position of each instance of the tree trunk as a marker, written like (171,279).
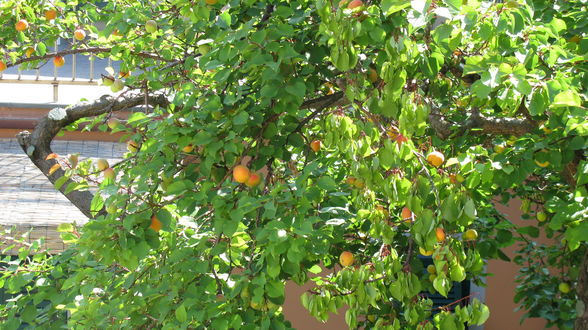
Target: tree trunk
(582,293)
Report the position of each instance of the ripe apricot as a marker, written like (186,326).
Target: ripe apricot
(29,52)
(155,223)
(315,145)
(406,215)
(241,174)
(58,61)
(346,259)
(79,34)
(435,158)
(21,25)
(188,148)
(253,180)
(50,14)
(440,234)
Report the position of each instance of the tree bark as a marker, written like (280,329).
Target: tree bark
(37,145)
(479,124)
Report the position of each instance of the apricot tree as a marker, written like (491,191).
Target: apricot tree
(426,113)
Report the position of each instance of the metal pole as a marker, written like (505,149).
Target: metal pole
(55,83)
(73,62)
(91,67)
(54,67)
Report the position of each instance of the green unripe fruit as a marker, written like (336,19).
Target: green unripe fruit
(151,26)
(499,148)
(470,235)
(106,81)
(541,216)
(111,208)
(460,178)
(564,287)
(117,86)
(245,294)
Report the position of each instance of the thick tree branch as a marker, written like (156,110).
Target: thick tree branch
(479,124)
(320,104)
(37,145)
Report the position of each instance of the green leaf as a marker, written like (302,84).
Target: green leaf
(297,88)
(97,204)
(326,183)
(315,269)
(454,5)
(470,209)
(442,285)
(576,235)
(566,99)
(539,101)
(390,7)
(529,230)
(181,314)
(166,218)
(59,182)
(136,117)
(521,84)
(241,118)
(582,173)
(65,228)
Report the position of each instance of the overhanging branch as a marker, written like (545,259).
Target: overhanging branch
(37,145)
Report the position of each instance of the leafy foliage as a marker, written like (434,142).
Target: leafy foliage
(498,88)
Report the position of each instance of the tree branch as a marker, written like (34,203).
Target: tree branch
(37,145)
(320,104)
(93,50)
(479,124)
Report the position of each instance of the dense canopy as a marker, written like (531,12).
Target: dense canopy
(277,139)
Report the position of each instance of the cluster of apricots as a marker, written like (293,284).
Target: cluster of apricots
(103,166)
(243,175)
(434,158)
(23,25)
